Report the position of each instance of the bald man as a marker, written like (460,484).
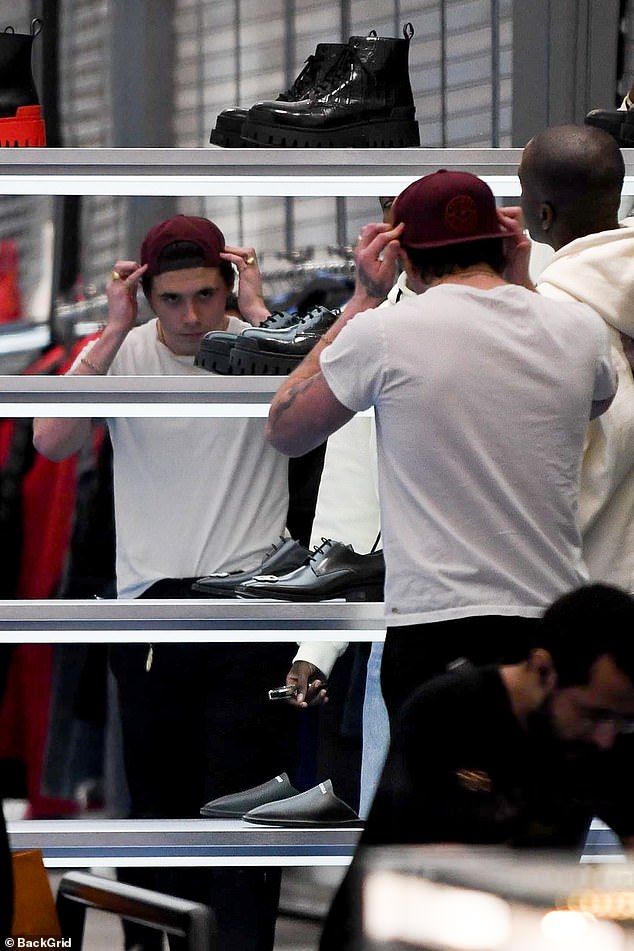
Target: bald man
(571,178)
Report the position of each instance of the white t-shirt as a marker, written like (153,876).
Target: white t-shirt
(192,496)
(347,508)
(482,400)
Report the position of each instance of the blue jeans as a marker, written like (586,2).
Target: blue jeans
(376,731)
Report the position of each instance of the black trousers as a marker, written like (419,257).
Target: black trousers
(418,652)
(197,725)
(411,656)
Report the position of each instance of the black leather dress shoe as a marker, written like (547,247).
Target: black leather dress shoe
(317,807)
(333,571)
(267,351)
(282,558)
(215,347)
(235,805)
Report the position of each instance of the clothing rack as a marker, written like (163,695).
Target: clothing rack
(80,318)
(310,269)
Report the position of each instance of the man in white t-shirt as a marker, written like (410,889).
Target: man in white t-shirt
(481,414)
(192,497)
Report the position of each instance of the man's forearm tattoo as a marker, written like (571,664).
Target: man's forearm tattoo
(286,402)
(373,287)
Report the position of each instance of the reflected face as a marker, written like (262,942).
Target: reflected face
(529,200)
(593,714)
(189,304)
(386,203)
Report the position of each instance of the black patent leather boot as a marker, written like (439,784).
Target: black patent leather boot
(215,348)
(269,351)
(228,129)
(21,122)
(364,101)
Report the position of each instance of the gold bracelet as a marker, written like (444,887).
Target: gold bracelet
(91,366)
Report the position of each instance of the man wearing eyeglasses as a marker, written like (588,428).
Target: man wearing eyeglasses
(524,755)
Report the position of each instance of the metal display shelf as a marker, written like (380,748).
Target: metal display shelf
(107,843)
(283,172)
(213,171)
(199,620)
(204,395)
(163,389)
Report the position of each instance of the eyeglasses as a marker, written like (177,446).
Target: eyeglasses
(599,716)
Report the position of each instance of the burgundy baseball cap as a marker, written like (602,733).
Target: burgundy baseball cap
(446,208)
(199,231)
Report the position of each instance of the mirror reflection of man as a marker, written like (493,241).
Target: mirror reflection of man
(192,497)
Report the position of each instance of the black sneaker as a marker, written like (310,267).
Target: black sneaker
(277,352)
(216,346)
(282,558)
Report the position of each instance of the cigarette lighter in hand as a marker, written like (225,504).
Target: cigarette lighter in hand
(282,693)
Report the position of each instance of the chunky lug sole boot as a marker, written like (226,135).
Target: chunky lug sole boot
(365,101)
(21,122)
(277,352)
(215,348)
(228,129)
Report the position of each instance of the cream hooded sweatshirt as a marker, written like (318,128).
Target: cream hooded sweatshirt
(599,270)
